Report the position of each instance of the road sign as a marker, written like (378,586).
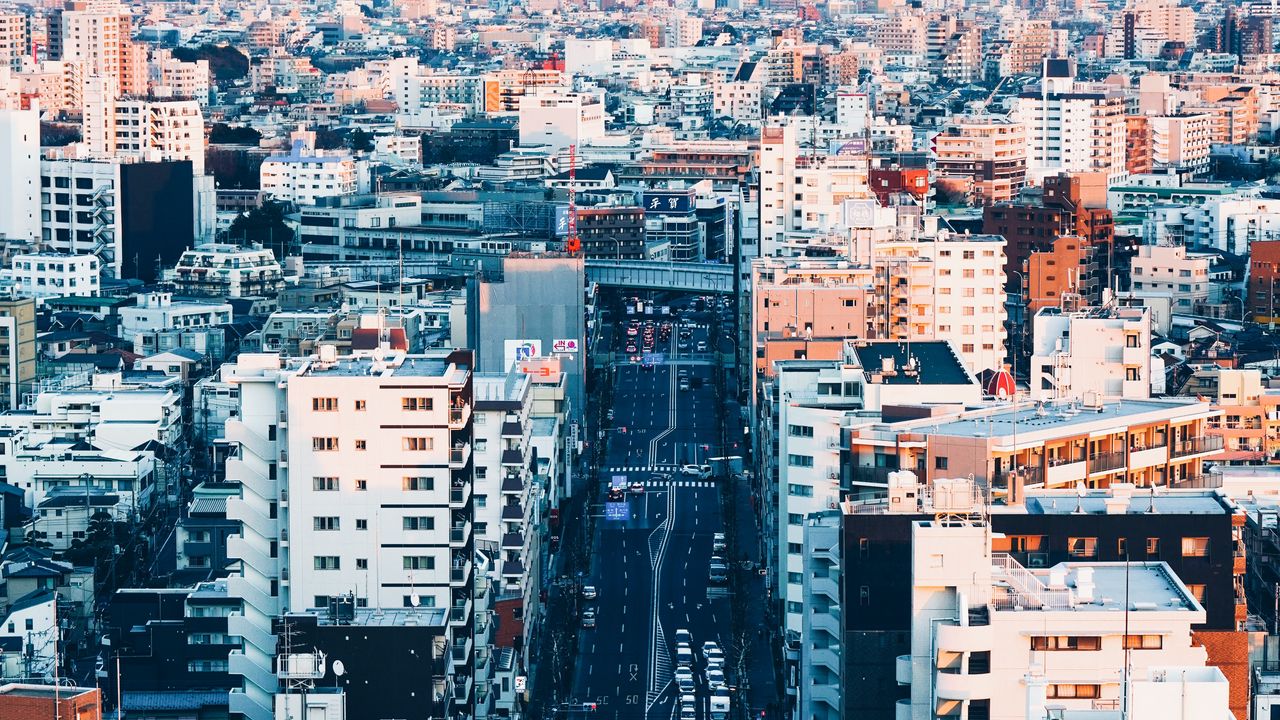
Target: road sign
(521,683)
(564,345)
(617,511)
(653,358)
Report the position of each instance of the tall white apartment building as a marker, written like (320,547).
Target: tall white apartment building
(147,130)
(1181,141)
(305,174)
(803,195)
(46,275)
(174,78)
(991,637)
(15,39)
(59,84)
(1072,126)
(356,480)
(20,191)
(97,34)
(1101,352)
(223,270)
(560,119)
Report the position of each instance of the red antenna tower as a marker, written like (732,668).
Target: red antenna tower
(573,245)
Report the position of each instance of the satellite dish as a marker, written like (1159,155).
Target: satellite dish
(413,600)
(339,669)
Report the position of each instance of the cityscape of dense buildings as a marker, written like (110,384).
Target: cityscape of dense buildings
(696,360)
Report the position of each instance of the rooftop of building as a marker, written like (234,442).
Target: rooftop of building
(46,692)
(1027,419)
(1117,586)
(393,364)
(932,362)
(1108,502)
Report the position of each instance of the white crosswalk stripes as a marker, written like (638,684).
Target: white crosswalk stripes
(642,468)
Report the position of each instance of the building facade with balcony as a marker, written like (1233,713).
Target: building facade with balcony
(1103,351)
(346,466)
(222,270)
(1011,448)
(1196,535)
(991,638)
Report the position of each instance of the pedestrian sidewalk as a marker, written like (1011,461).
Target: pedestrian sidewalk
(762,677)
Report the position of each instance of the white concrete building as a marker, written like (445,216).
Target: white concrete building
(990,636)
(46,275)
(559,119)
(174,78)
(1181,141)
(15,39)
(158,311)
(305,174)
(147,130)
(810,401)
(1071,126)
(1170,271)
(1101,352)
(20,191)
(381,512)
(225,270)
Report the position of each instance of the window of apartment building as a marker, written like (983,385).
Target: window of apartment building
(324,444)
(795,519)
(361,405)
(419,601)
(966,347)
(968,255)
(1066,642)
(847,302)
(1153,547)
(1197,591)
(419,483)
(799,490)
(795,578)
(1143,642)
(416,403)
(1195,547)
(800,430)
(326,523)
(864,595)
(1065,692)
(1131,340)
(940,462)
(1132,374)
(362,563)
(362,485)
(1082,547)
(324,404)
(795,548)
(362,445)
(1019,543)
(420,522)
(324,483)
(416,444)
(327,562)
(419,562)
(968,273)
(800,460)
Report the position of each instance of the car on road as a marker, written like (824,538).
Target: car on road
(684,679)
(689,700)
(715,679)
(637,488)
(702,346)
(633,330)
(589,618)
(713,654)
(709,647)
(609,415)
(684,384)
(701,471)
(718,573)
(616,494)
(683,637)
(684,656)
(718,543)
(660,477)
(589,592)
(720,706)
(631,347)
(687,712)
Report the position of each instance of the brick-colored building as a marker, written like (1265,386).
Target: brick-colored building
(37,702)
(1138,154)
(1068,266)
(1264,271)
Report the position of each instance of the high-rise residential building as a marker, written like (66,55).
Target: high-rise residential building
(15,39)
(146,130)
(561,119)
(1138,150)
(903,33)
(20,191)
(387,503)
(1169,271)
(988,149)
(1072,126)
(1022,46)
(178,79)
(1098,352)
(803,194)
(98,34)
(1181,141)
(17,350)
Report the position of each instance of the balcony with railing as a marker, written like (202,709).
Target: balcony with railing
(1107,462)
(459,455)
(458,417)
(460,534)
(1197,446)
(459,493)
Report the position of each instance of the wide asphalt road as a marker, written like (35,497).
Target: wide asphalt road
(625,663)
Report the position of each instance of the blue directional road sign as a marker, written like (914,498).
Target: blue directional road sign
(653,359)
(617,511)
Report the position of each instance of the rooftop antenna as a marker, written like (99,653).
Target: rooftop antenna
(1080,493)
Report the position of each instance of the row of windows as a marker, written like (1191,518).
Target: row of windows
(1087,547)
(331,484)
(330,404)
(408,444)
(1093,642)
(408,562)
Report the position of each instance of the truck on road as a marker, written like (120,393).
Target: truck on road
(719,706)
